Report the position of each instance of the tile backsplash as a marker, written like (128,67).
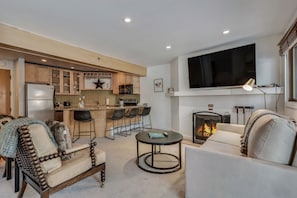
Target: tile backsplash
(95,97)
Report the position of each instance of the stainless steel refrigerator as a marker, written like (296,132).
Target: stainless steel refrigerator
(39,101)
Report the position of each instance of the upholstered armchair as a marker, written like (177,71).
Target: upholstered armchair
(44,167)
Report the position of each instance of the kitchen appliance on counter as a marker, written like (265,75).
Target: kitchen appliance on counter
(39,101)
(126,89)
(66,103)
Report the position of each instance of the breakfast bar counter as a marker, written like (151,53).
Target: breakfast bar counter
(98,113)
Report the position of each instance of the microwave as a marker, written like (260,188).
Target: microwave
(126,89)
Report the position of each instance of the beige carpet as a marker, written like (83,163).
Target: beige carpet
(123,177)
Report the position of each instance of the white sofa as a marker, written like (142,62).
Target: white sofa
(268,169)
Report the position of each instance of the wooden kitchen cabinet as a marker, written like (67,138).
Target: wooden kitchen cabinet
(56,76)
(117,80)
(67,81)
(78,82)
(125,79)
(58,115)
(136,84)
(37,74)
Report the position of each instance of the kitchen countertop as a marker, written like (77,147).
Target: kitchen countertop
(95,107)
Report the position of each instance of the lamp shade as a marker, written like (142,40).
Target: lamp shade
(249,85)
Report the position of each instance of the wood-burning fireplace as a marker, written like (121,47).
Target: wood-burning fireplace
(204,124)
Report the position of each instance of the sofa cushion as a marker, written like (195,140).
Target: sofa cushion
(272,138)
(226,137)
(251,121)
(78,164)
(234,128)
(221,147)
(44,146)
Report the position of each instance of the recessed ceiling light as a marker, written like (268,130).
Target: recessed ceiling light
(226,32)
(44,60)
(72,67)
(168,47)
(127,20)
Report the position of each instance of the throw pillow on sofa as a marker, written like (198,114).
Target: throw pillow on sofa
(272,139)
(251,121)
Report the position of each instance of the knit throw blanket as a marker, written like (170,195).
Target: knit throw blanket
(9,135)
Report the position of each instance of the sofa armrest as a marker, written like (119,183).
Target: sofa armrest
(215,174)
(235,128)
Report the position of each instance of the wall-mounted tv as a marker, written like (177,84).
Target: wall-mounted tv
(229,67)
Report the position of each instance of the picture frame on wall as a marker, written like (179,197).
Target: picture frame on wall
(158,85)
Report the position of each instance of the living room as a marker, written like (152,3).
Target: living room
(172,107)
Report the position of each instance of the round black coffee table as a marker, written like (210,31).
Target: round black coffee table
(156,161)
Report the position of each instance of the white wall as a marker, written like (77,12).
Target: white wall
(268,71)
(175,113)
(267,61)
(161,111)
(17,71)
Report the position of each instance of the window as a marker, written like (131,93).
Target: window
(285,47)
(293,73)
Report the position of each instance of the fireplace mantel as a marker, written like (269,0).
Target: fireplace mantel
(227,92)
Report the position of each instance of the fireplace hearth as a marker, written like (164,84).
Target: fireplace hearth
(204,124)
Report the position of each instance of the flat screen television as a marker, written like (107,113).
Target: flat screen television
(229,67)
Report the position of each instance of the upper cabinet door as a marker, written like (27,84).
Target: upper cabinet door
(56,80)
(125,79)
(67,81)
(66,87)
(77,82)
(136,84)
(37,74)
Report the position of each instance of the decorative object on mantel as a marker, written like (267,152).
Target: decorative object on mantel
(250,85)
(170,90)
(99,84)
(158,85)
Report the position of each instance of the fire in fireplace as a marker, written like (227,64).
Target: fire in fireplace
(206,129)
(204,124)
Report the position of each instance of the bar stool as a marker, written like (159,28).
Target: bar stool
(145,113)
(83,116)
(117,115)
(132,114)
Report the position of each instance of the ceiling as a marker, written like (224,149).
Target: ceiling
(186,25)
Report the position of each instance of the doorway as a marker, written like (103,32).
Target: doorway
(5,92)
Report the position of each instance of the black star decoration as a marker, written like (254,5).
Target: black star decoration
(99,84)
